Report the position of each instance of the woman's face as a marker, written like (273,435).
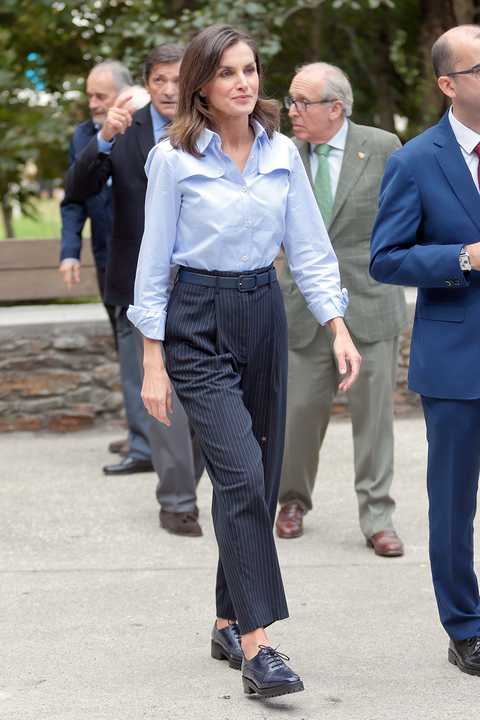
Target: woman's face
(233,92)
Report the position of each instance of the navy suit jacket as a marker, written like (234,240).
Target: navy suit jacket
(430,208)
(74,213)
(126,166)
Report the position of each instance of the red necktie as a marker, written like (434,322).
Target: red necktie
(476,150)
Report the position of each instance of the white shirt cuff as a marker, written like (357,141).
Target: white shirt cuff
(327,309)
(150,323)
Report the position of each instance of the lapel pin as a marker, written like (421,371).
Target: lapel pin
(361,155)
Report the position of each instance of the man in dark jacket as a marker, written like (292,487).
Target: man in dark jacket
(104,84)
(119,151)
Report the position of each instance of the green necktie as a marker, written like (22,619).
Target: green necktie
(322,186)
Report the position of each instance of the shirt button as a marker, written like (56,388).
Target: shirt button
(251,159)
(248,223)
(259,168)
(220,170)
(244,189)
(245,258)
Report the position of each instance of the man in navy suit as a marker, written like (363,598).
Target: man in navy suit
(105,83)
(427,234)
(119,151)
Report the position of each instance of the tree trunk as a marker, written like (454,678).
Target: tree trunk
(385,77)
(464,11)
(7,217)
(438,16)
(316,36)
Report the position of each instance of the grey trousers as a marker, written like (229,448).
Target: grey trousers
(313,380)
(131,387)
(176,454)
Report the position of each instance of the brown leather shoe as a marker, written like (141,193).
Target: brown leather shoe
(386,543)
(290,521)
(182,523)
(122,447)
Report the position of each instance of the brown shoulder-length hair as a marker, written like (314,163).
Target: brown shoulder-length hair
(199,65)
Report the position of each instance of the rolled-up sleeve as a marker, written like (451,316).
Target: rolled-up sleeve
(162,206)
(312,261)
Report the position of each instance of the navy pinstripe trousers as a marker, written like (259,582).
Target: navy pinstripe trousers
(226,355)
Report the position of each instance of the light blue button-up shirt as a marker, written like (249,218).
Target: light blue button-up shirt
(203,213)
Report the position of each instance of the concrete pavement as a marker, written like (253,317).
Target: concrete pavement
(105,616)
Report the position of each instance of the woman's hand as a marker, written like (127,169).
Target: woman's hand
(156,390)
(345,352)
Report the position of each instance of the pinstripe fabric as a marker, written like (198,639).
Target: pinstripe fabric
(226,354)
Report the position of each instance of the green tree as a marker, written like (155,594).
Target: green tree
(47,49)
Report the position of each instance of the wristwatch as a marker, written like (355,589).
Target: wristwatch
(464,259)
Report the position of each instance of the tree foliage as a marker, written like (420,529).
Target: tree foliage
(47,49)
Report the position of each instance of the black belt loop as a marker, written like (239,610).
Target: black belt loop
(272,276)
(217,284)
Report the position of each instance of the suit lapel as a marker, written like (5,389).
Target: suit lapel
(304,150)
(355,160)
(454,167)
(142,121)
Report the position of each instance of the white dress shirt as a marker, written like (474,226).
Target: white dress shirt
(203,213)
(468,140)
(334,157)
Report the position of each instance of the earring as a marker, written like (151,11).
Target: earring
(201,93)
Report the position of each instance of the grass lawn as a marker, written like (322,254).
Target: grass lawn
(47,225)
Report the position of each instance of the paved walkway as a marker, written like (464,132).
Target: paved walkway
(105,616)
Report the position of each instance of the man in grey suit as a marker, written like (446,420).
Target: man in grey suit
(345,164)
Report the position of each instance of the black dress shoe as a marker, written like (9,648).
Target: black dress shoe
(226,645)
(466,654)
(128,467)
(267,675)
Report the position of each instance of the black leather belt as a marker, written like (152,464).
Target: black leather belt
(242,283)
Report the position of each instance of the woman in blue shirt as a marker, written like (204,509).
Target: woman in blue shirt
(223,193)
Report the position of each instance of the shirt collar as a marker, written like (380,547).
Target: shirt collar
(467,138)
(158,121)
(204,140)
(338,141)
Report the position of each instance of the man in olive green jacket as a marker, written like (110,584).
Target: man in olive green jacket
(354,158)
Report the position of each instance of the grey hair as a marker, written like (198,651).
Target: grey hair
(120,73)
(337,85)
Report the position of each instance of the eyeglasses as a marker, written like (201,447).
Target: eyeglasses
(301,105)
(474,71)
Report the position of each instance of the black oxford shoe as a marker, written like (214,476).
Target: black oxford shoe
(466,654)
(267,675)
(128,467)
(226,645)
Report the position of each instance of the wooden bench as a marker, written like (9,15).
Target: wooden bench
(29,271)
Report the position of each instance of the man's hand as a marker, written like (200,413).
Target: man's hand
(345,352)
(118,117)
(474,252)
(70,272)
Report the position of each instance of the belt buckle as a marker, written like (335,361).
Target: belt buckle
(244,286)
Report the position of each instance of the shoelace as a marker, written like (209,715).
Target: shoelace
(274,658)
(474,641)
(236,631)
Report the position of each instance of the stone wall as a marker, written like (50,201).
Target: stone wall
(60,377)
(65,376)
